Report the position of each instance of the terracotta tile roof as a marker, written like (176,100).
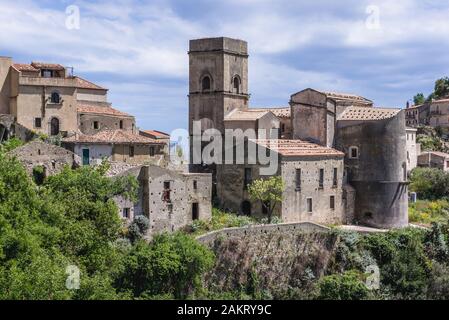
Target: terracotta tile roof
(50,66)
(84,84)
(347,97)
(364,113)
(281,112)
(157,134)
(295,148)
(111,136)
(444,100)
(87,108)
(25,67)
(436,153)
(247,115)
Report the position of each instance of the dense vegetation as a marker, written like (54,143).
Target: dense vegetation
(71,219)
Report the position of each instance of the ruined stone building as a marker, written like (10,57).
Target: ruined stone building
(49,157)
(434,159)
(170,200)
(367,144)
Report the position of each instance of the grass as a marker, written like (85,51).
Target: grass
(220,220)
(426,211)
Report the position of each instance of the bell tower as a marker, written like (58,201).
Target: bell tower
(218,80)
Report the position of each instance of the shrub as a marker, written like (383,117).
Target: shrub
(138,228)
(347,286)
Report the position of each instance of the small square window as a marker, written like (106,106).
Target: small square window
(38,122)
(353,153)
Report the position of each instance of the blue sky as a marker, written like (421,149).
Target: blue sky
(138,49)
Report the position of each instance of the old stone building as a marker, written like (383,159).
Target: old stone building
(371,139)
(159,136)
(313,178)
(49,157)
(170,200)
(115,145)
(434,159)
(413,148)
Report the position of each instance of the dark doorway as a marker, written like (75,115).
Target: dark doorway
(195,211)
(86,157)
(54,126)
(245,207)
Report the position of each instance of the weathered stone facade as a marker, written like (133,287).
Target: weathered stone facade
(52,158)
(313,184)
(372,182)
(413,149)
(171,200)
(434,159)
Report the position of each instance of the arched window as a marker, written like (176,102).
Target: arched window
(236,84)
(205,83)
(54,126)
(55,97)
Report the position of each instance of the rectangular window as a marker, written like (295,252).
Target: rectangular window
(195,185)
(126,212)
(195,211)
(298,179)
(309,205)
(131,151)
(353,153)
(166,195)
(335,178)
(121,124)
(321,183)
(38,122)
(47,73)
(96,125)
(152,152)
(248,178)
(332,202)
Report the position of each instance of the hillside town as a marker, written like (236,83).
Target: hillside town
(343,159)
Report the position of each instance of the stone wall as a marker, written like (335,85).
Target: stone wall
(294,205)
(255,230)
(105,122)
(379,173)
(167,215)
(51,157)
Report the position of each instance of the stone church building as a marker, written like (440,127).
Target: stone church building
(341,158)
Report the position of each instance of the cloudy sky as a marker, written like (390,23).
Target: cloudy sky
(381,49)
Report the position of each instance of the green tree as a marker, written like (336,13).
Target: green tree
(170,265)
(429,183)
(268,191)
(419,99)
(441,87)
(346,286)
